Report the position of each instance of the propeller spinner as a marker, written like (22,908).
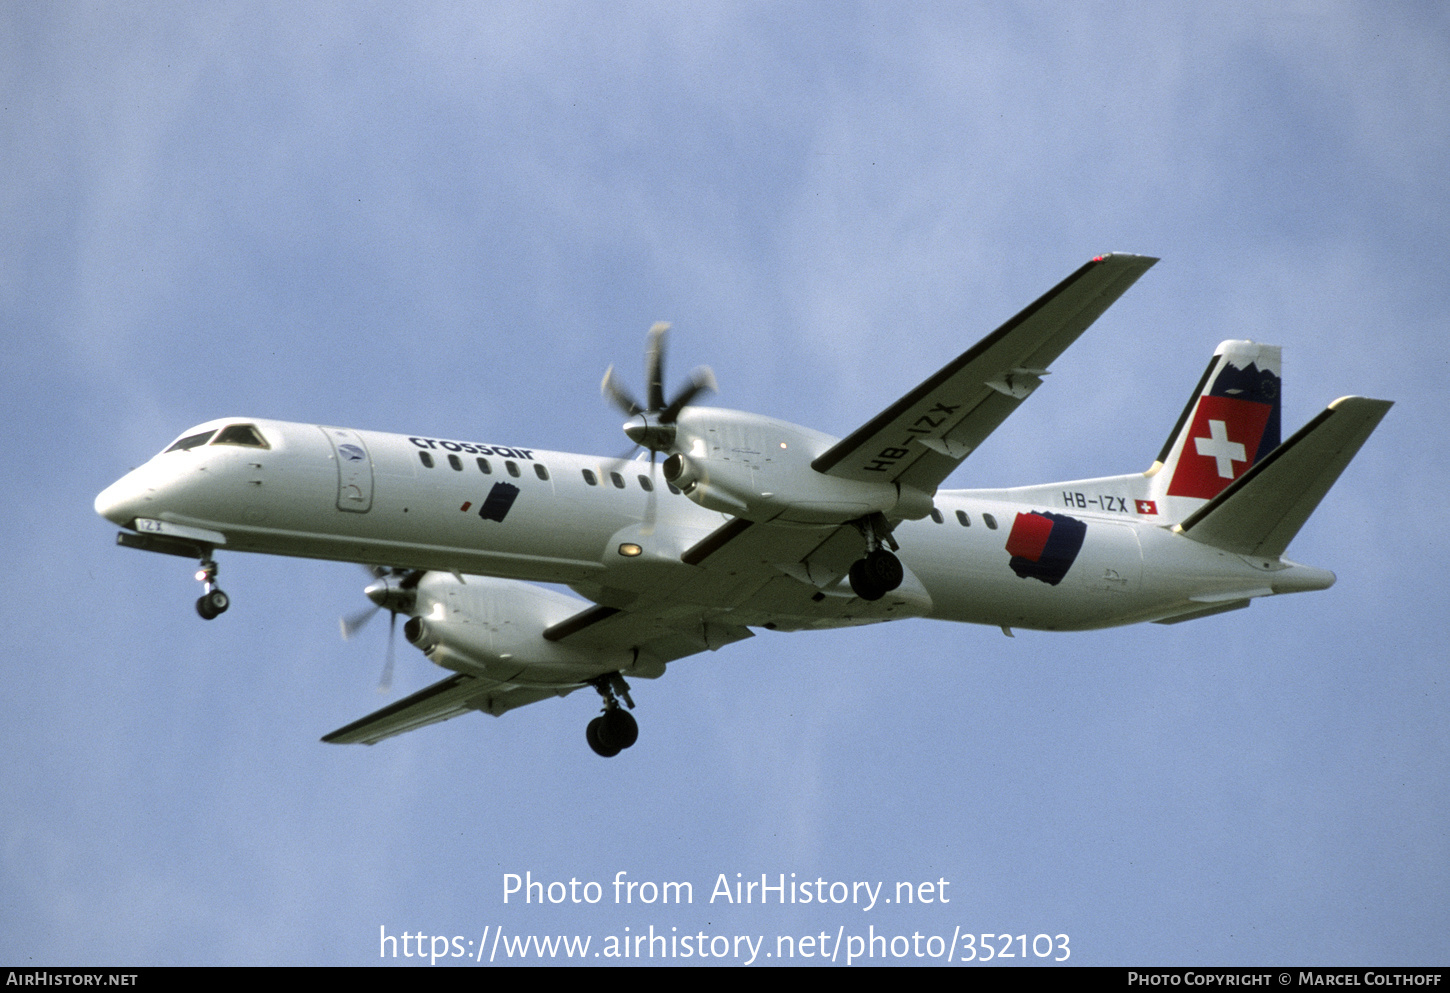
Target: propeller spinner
(653,427)
(394,590)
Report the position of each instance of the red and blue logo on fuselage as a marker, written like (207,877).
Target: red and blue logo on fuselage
(1044,545)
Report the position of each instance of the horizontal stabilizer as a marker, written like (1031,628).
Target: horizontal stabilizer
(1260,512)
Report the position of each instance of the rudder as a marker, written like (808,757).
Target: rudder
(1231,422)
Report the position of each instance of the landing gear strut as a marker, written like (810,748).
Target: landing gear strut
(212,602)
(615,729)
(879,572)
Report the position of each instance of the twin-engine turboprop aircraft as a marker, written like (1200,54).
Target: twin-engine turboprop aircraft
(760,523)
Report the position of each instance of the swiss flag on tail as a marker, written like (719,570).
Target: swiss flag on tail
(1222,442)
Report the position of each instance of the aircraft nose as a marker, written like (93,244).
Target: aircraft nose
(120,502)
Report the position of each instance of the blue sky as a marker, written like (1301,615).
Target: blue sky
(450,218)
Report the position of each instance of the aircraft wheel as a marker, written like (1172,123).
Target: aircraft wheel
(210,605)
(863,584)
(885,569)
(591,734)
(619,728)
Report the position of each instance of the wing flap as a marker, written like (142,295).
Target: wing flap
(922,437)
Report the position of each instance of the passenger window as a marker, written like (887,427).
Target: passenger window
(455,462)
(246,435)
(590,478)
(963,519)
(191,441)
(426,458)
(617,480)
(991,521)
(646,484)
(512,467)
(484,467)
(673,488)
(541,471)
(936,515)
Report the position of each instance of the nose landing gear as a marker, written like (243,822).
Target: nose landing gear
(616,729)
(213,602)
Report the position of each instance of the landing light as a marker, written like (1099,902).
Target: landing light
(629,550)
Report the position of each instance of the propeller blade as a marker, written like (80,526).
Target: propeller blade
(619,463)
(353,623)
(386,683)
(618,395)
(701,379)
(654,366)
(653,427)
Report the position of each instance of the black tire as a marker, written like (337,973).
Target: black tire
(591,735)
(203,607)
(863,584)
(218,601)
(619,728)
(885,569)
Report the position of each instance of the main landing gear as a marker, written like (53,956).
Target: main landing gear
(614,730)
(879,572)
(213,602)
(876,575)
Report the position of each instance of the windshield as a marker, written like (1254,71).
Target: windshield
(241,434)
(191,441)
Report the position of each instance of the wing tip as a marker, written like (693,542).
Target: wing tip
(1145,261)
(1368,403)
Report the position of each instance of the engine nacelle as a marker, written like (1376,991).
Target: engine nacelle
(759,468)
(495,628)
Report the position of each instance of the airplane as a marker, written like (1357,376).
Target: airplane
(761,524)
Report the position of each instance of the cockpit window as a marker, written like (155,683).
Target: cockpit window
(191,441)
(245,435)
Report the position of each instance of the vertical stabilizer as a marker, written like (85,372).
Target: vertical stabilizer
(1230,424)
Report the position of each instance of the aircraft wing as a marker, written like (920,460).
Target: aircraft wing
(657,639)
(747,575)
(921,438)
(458,694)
(762,575)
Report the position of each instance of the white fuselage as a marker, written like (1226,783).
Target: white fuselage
(362,496)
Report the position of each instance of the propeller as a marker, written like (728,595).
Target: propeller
(653,427)
(395,590)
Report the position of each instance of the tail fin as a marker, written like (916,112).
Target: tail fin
(1264,508)
(1231,423)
